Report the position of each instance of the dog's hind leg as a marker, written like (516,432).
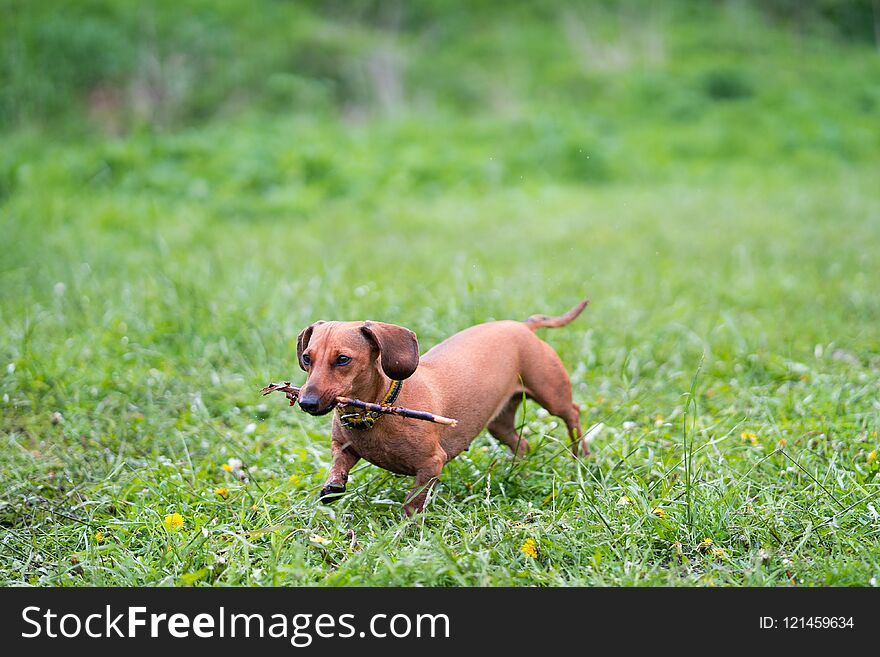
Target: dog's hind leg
(550,386)
(503,427)
(570,413)
(575,431)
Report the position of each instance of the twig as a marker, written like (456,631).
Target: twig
(292,393)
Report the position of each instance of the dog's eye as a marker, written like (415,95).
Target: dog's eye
(342,359)
(306,360)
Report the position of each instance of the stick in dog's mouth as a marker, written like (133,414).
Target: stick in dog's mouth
(292,393)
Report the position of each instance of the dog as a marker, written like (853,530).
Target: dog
(478,376)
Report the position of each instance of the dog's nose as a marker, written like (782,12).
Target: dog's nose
(309,403)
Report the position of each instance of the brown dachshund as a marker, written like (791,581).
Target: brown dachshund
(478,376)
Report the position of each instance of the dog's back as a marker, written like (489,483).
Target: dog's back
(478,372)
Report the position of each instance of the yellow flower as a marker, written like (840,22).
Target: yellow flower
(717,552)
(530,548)
(227,467)
(660,513)
(624,501)
(782,442)
(705,545)
(293,479)
(320,540)
(173,522)
(707,541)
(222,491)
(750,436)
(99,537)
(872,456)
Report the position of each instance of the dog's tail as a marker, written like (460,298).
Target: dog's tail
(543,321)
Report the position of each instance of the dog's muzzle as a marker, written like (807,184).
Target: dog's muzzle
(311,404)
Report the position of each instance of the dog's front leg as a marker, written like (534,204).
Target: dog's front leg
(344,458)
(426,477)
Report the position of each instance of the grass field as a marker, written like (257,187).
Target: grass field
(714,194)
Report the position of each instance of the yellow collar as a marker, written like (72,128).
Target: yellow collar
(365,420)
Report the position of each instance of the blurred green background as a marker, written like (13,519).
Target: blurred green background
(185,185)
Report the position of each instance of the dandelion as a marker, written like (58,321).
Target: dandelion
(751,437)
(293,479)
(236,468)
(173,522)
(99,537)
(222,491)
(872,456)
(705,545)
(530,548)
(660,513)
(782,442)
(624,501)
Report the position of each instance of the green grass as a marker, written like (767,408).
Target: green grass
(719,208)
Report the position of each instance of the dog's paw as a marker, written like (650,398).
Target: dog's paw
(330,493)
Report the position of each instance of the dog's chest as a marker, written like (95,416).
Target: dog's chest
(378,453)
(383,446)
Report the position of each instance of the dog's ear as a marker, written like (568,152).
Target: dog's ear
(398,348)
(302,341)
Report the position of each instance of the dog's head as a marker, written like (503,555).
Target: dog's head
(348,359)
